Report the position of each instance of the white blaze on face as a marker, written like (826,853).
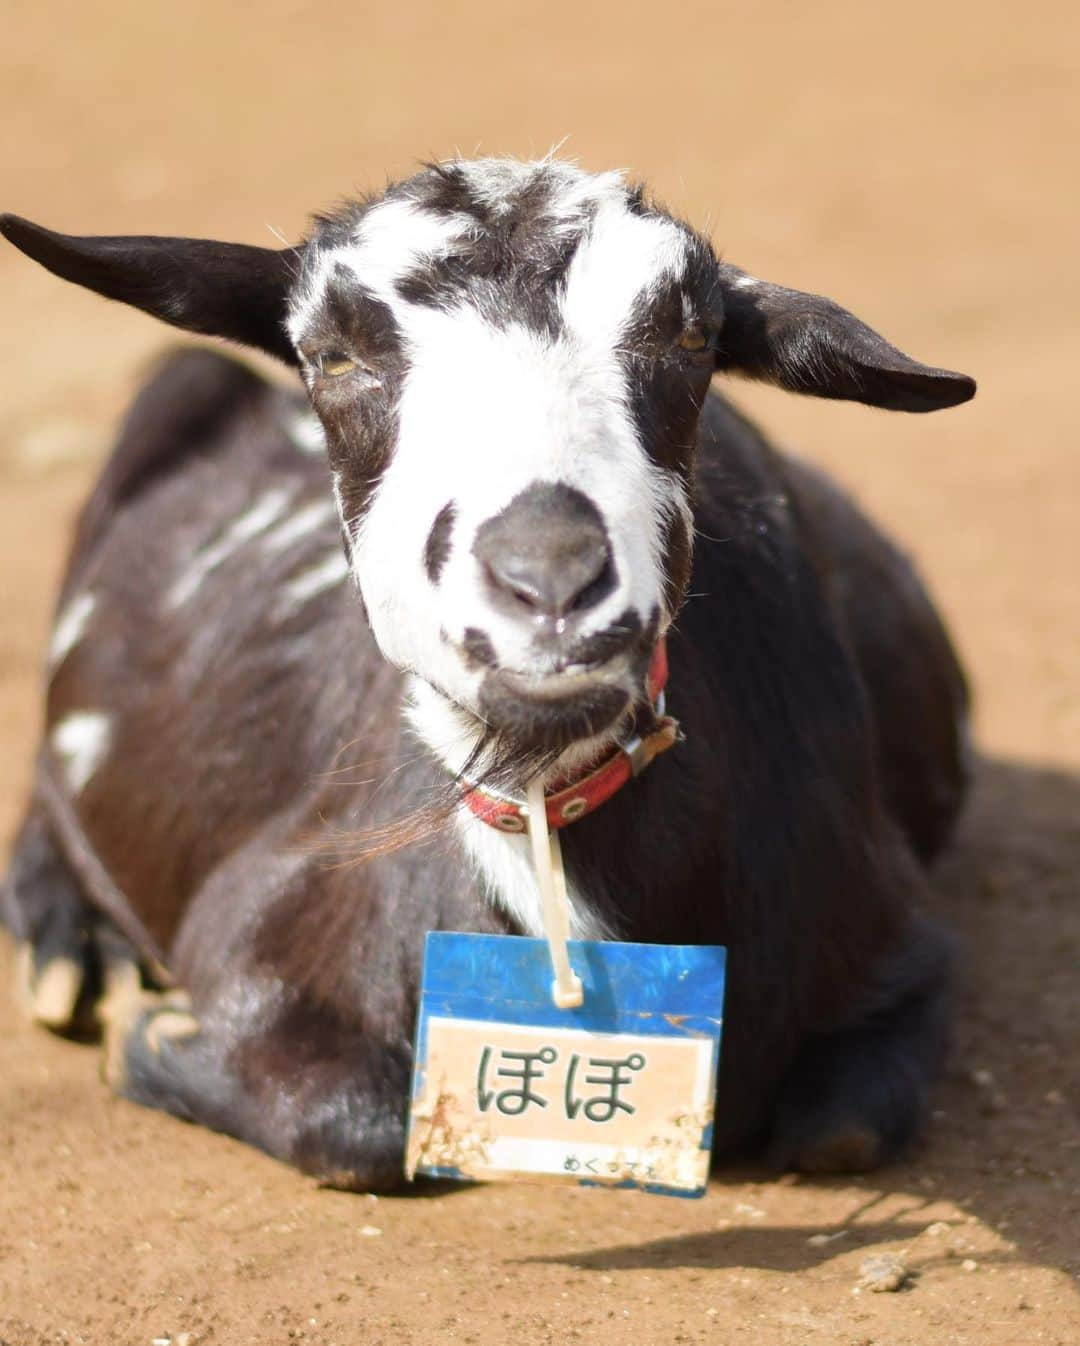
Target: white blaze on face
(487,411)
(621,259)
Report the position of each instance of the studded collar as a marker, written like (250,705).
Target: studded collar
(570,800)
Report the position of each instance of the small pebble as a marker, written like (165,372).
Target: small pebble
(936,1229)
(370,1231)
(969,1264)
(883,1272)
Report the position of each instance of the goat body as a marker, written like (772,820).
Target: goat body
(234,755)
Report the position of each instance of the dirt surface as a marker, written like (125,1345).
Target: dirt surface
(917,162)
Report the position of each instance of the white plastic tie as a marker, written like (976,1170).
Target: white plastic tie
(566,990)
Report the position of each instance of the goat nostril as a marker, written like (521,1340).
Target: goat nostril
(515,586)
(595,589)
(551,587)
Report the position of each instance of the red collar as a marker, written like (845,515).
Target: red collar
(573,800)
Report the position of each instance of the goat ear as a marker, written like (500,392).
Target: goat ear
(219,289)
(808,344)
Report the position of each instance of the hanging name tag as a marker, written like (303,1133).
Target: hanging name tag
(618,1090)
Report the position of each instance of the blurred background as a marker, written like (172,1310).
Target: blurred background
(916,162)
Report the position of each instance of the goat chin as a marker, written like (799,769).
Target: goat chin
(549,718)
(523,733)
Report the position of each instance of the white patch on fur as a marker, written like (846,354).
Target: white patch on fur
(306,520)
(265,511)
(306,432)
(497,182)
(622,258)
(745,282)
(81,741)
(485,414)
(70,627)
(392,238)
(503,861)
(310,584)
(448,730)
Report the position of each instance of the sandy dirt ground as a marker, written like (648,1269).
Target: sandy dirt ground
(917,162)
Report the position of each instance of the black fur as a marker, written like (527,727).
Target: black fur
(220,289)
(360,430)
(548,722)
(439,541)
(768,829)
(600,646)
(512,265)
(822,705)
(809,344)
(478,647)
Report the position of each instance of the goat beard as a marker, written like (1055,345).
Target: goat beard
(497,763)
(500,762)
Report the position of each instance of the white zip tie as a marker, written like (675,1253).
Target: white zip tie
(566,990)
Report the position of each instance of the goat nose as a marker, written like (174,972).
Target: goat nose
(546,555)
(552,583)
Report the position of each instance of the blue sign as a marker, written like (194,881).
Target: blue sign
(619,1090)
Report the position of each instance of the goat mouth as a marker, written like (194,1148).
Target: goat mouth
(551,711)
(562,684)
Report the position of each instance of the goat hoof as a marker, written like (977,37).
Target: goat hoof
(168,1025)
(54,995)
(155,1018)
(55,992)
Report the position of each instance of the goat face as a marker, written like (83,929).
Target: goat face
(509,362)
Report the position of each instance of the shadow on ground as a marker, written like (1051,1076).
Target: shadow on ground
(1004,1137)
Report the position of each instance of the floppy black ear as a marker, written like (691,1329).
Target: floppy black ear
(808,344)
(220,289)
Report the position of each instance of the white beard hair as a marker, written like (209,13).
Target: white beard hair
(502,861)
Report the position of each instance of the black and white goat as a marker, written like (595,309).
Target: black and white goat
(509,365)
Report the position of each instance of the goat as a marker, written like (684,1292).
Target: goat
(509,366)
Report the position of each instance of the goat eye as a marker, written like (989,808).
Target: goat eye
(693,339)
(332,364)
